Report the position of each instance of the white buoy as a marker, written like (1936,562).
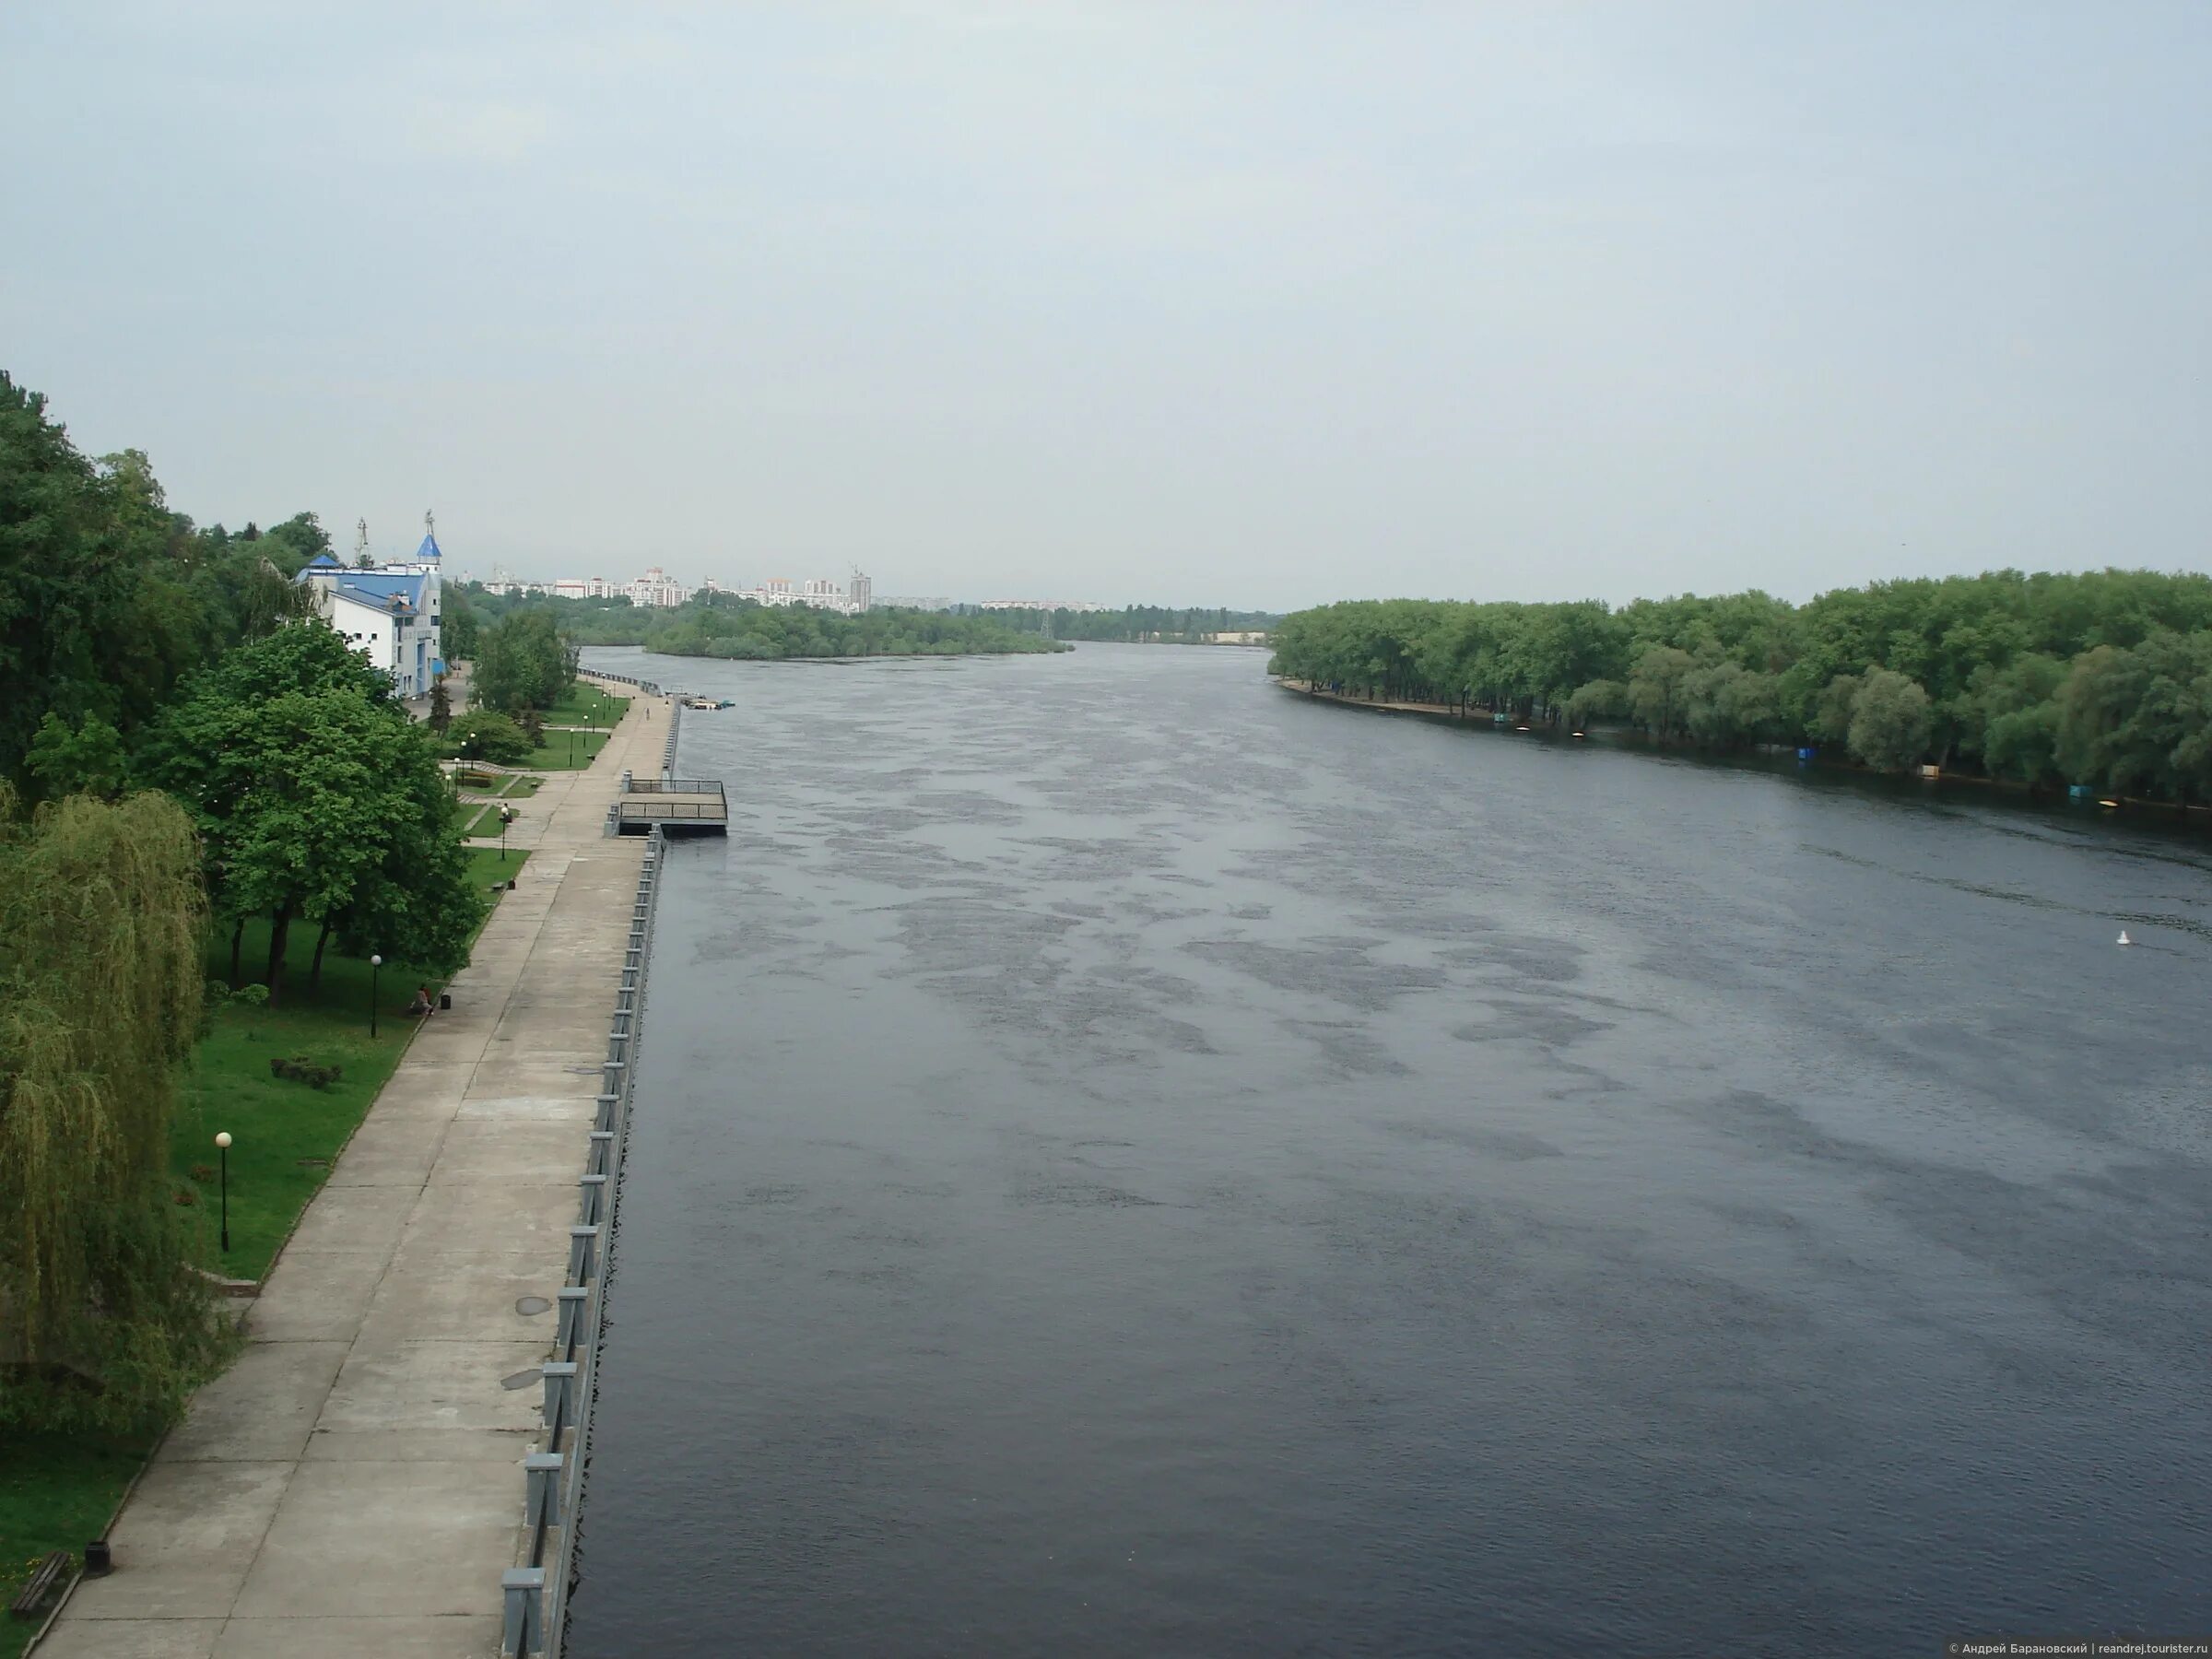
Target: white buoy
(2123,939)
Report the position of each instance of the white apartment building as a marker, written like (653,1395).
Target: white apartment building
(658,589)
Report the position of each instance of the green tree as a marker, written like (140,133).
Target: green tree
(87,761)
(1657,688)
(457,626)
(1889,721)
(1600,699)
(296,764)
(523,662)
(103,1322)
(483,735)
(1832,710)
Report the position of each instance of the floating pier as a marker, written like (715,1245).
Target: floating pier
(673,805)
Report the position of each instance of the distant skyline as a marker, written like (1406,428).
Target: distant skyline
(1239,305)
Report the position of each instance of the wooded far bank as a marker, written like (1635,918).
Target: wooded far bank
(2101,678)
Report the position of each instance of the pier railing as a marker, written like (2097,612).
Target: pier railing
(535,1594)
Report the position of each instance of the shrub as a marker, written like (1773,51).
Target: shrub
(483,735)
(299,1068)
(251,996)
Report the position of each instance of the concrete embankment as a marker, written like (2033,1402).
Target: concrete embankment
(353,1485)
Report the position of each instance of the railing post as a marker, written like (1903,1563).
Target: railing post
(594,1195)
(583,1255)
(602,1153)
(542,1471)
(569,1332)
(523,1590)
(560,1391)
(604,1122)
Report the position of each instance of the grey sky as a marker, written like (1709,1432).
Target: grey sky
(1190,303)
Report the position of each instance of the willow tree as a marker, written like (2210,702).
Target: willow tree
(102,1319)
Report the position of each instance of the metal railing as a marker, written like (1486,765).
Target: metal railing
(535,1594)
(675,722)
(666,785)
(628,679)
(715,811)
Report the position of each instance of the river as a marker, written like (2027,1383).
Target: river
(1129,1160)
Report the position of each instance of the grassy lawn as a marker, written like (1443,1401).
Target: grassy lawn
(518,787)
(285,1132)
(584,705)
(554,754)
(485,866)
(485,822)
(56,1492)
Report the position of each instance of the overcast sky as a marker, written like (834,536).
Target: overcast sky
(1190,303)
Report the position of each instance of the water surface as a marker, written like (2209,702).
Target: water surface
(1128,1160)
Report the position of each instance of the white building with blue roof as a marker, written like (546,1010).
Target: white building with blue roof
(388,613)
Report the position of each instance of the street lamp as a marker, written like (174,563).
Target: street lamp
(222,1150)
(506,817)
(374,963)
(572,749)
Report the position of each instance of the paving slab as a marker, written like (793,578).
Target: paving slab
(419,1088)
(430,1295)
(569,1109)
(132,1637)
(490,1151)
(355,1217)
(315,1295)
(262,1408)
(389,1151)
(501,1216)
(371,1539)
(434,1384)
(456,1637)
(426,1446)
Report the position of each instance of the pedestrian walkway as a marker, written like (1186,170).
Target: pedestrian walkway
(353,1485)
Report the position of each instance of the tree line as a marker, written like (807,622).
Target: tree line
(2101,678)
(1154,624)
(728,625)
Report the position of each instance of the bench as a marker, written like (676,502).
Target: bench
(52,1574)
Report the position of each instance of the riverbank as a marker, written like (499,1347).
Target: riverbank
(2178,816)
(352,1483)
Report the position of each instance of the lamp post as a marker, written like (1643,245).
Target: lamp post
(374,963)
(572,749)
(222,1150)
(506,817)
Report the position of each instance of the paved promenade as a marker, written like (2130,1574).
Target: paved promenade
(354,1485)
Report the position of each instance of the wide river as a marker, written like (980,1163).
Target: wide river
(1128,1160)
